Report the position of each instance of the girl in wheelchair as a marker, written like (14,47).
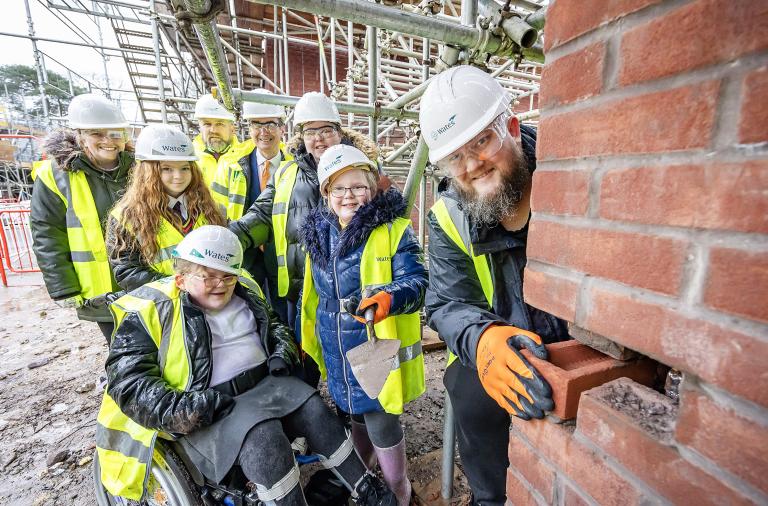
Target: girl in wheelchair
(202,358)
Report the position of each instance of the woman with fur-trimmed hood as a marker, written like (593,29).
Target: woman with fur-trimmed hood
(86,173)
(293,191)
(363,258)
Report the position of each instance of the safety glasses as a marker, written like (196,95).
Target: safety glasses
(481,147)
(115,135)
(214,281)
(268,126)
(324,132)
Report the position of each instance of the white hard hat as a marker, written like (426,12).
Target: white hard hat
(94,111)
(339,157)
(208,107)
(255,110)
(212,246)
(314,106)
(164,143)
(457,105)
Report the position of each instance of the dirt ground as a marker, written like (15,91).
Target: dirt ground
(50,364)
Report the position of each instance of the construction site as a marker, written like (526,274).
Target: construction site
(644,247)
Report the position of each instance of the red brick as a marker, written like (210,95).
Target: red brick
(553,294)
(725,436)
(669,120)
(719,355)
(700,33)
(738,282)
(645,261)
(714,196)
(572,77)
(754,107)
(585,467)
(568,19)
(540,476)
(572,498)
(518,491)
(573,368)
(641,442)
(560,192)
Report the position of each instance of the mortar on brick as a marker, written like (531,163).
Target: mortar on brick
(654,413)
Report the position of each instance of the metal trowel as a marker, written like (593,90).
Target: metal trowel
(371,362)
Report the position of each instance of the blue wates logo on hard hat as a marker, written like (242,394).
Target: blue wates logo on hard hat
(448,125)
(224,257)
(335,162)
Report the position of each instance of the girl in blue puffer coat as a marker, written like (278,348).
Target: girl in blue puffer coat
(362,253)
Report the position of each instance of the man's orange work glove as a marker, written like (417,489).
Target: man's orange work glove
(508,377)
(380,300)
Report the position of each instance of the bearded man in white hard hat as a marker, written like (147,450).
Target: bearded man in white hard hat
(217,146)
(294,191)
(237,188)
(201,355)
(86,172)
(477,236)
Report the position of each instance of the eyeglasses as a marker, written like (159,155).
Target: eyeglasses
(357,191)
(214,281)
(482,147)
(267,125)
(116,135)
(324,132)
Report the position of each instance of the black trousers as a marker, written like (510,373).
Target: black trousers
(482,432)
(107,328)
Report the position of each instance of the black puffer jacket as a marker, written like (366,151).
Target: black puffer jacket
(255,227)
(135,381)
(455,304)
(48,216)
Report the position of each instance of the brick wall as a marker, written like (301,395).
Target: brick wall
(650,228)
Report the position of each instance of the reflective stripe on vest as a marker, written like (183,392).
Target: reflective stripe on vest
(406,380)
(167,238)
(285,179)
(87,248)
(455,225)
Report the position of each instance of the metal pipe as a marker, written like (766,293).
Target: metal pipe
(519,31)
(214,52)
(410,96)
(394,155)
(350,62)
(333,51)
(534,53)
(236,45)
(286,67)
(373,78)
(41,79)
(449,449)
(380,16)
(290,101)
(158,64)
(253,67)
(103,56)
(415,174)
(537,19)
(468,12)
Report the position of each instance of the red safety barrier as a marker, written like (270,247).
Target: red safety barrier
(16,243)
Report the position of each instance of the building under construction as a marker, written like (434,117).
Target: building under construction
(648,232)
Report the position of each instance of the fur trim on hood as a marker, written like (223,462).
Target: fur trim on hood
(296,144)
(384,208)
(61,146)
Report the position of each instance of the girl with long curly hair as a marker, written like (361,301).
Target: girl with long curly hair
(165,200)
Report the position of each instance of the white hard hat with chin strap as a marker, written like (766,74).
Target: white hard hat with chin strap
(208,107)
(456,106)
(212,246)
(164,143)
(255,110)
(90,111)
(314,106)
(339,157)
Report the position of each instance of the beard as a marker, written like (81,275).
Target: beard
(491,209)
(217,145)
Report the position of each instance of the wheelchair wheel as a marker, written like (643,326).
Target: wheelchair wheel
(169,483)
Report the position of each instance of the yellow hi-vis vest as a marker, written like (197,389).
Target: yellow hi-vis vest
(209,165)
(406,380)
(124,447)
(455,225)
(285,179)
(87,248)
(229,186)
(168,237)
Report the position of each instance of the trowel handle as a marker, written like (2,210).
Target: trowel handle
(370,312)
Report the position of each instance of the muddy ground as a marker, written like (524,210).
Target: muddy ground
(50,364)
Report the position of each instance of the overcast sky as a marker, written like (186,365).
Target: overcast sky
(83,60)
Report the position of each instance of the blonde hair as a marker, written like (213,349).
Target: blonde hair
(145,203)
